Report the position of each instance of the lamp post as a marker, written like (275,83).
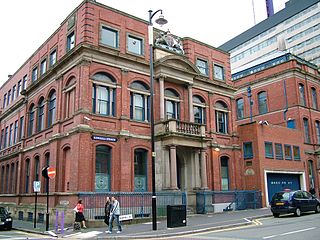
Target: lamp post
(161,21)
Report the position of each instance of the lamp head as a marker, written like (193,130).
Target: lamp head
(161,20)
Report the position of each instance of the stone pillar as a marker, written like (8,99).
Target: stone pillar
(191,116)
(203,162)
(173,167)
(161,83)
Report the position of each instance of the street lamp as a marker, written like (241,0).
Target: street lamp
(161,21)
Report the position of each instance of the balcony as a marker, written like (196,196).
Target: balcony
(177,127)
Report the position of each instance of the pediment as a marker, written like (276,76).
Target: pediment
(177,62)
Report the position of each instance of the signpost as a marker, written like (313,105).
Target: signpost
(48,173)
(36,189)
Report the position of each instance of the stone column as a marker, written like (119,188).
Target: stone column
(191,116)
(203,162)
(173,167)
(161,83)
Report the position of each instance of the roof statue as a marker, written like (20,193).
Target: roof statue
(168,41)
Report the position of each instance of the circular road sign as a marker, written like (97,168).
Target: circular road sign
(51,172)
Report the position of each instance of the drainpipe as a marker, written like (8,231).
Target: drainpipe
(286,100)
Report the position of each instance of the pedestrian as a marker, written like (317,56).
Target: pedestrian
(79,214)
(312,191)
(114,214)
(107,209)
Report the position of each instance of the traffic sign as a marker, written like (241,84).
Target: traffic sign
(36,186)
(51,172)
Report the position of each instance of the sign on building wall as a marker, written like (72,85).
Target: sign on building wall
(102,138)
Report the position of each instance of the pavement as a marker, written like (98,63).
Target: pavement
(196,223)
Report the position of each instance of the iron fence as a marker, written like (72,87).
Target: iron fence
(136,203)
(215,201)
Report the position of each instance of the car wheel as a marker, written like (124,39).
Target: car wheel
(297,212)
(318,209)
(276,215)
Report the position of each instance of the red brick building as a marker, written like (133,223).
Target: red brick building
(281,143)
(81,104)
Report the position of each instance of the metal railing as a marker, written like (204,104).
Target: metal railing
(240,200)
(136,203)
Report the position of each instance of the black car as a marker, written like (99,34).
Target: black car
(294,202)
(5,219)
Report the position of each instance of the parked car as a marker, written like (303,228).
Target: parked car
(294,202)
(5,219)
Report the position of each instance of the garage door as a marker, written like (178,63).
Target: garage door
(278,182)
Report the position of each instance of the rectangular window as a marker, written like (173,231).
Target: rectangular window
(43,66)
(279,151)
(19,88)
(247,150)
(34,74)
(218,72)
(21,128)
(53,57)
(70,41)
(291,124)
(306,130)
(9,96)
(109,37)
(1,139)
(11,135)
(5,138)
(202,65)
(296,153)
(15,135)
(135,45)
(4,100)
(287,152)
(13,92)
(24,83)
(268,149)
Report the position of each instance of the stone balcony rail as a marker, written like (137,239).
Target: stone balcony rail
(180,127)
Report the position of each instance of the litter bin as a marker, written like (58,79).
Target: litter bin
(176,216)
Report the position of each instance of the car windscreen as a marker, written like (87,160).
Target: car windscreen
(281,196)
(3,211)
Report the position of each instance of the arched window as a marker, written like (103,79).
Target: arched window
(314,98)
(172,104)
(2,180)
(262,102)
(140,170)
(302,95)
(311,174)
(224,173)
(52,109)
(240,108)
(199,110)
(306,130)
(318,131)
(40,120)
(37,169)
(32,110)
(70,96)
(103,94)
(12,179)
(27,175)
(221,117)
(46,163)
(139,101)
(7,178)
(103,165)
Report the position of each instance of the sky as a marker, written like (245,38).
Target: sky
(26,24)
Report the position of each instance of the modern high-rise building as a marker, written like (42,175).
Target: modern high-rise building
(294,29)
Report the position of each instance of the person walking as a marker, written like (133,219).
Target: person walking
(107,209)
(114,214)
(79,214)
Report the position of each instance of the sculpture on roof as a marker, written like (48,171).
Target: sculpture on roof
(168,41)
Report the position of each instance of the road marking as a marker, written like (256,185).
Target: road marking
(288,233)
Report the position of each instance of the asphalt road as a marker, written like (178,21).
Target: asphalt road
(18,235)
(286,227)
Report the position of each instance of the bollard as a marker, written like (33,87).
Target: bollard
(62,222)
(57,220)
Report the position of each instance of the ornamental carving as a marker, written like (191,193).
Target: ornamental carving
(167,41)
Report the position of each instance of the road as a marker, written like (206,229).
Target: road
(286,227)
(18,235)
